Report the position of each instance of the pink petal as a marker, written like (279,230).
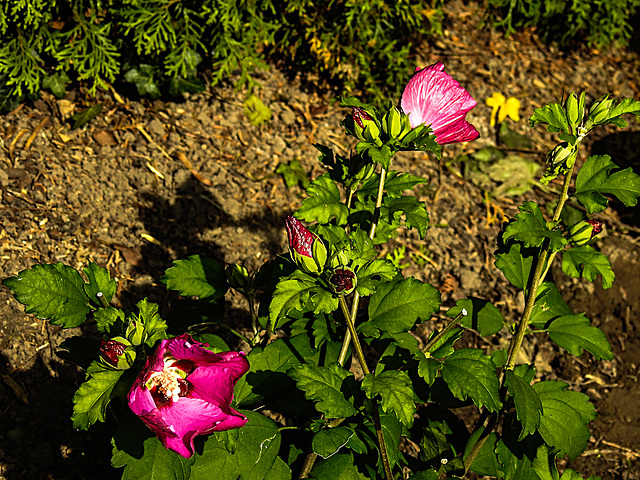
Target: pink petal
(215,383)
(432,97)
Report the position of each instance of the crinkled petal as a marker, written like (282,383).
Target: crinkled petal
(177,424)
(432,97)
(140,400)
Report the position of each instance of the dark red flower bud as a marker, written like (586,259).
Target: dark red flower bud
(300,239)
(597,227)
(342,280)
(111,350)
(360,116)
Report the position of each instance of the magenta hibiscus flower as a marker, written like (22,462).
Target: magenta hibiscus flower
(432,97)
(185,390)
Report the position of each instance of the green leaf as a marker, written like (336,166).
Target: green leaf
(565,415)
(256,111)
(155,327)
(549,305)
(396,392)
(396,306)
(486,461)
(371,274)
(414,211)
(100,281)
(327,442)
(91,399)
(323,203)
(553,115)
(588,262)
(267,369)
(54,292)
(256,450)
(106,317)
(428,369)
(424,475)
(531,228)
(299,292)
(395,183)
(144,457)
(594,180)
(444,346)
(338,467)
(482,316)
(528,404)
(142,78)
(575,333)
(279,471)
(514,467)
(293,173)
(324,386)
(82,118)
(189,84)
(468,372)
(56,82)
(197,276)
(516,264)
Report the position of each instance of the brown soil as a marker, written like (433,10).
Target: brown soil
(150,182)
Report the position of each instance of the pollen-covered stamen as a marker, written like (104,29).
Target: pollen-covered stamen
(168,385)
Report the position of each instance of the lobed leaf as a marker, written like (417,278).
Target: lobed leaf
(372,274)
(548,306)
(553,115)
(91,399)
(155,327)
(328,442)
(531,228)
(396,393)
(516,264)
(527,401)
(54,292)
(323,385)
(587,262)
(100,281)
(414,211)
(482,316)
(469,373)
(197,276)
(323,204)
(338,467)
(594,179)
(574,333)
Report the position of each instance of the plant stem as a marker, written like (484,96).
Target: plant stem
(516,341)
(448,327)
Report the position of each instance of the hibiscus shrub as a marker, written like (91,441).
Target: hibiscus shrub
(335,382)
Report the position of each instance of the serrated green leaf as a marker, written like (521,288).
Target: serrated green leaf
(469,373)
(395,183)
(82,118)
(144,457)
(53,292)
(91,399)
(530,227)
(279,471)
(486,461)
(197,276)
(338,467)
(106,317)
(594,180)
(553,115)
(293,173)
(56,82)
(323,203)
(482,316)
(142,78)
(575,333)
(514,467)
(155,327)
(328,442)
(414,211)
(565,415)
(255,453)
(444,346)
(434,445)
(528,404)
(324,386)
(516,264)
(372,274)
(544,463)
(100,281)
(425,475)
(396,306)
(548,306)
(396,394)
(299,292)
(428,369)
(588,262)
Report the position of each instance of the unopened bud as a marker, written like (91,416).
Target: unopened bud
(599,110)
(572,106)
(343,281)
(396,124)
(136,332)
(117,353)
(238,276)
(305,247)
(563,153)
(365,126)
(581,233)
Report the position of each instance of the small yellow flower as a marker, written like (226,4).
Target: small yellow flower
(503,107)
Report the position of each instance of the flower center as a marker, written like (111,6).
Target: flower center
(166,387)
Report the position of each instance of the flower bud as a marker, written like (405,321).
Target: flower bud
(563,153)
(136,333)
(396,124)
(365,126)
(238,277)
(599,110)
(305,247)
(117,353)
(343,281)
(572,106)
(581,233)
